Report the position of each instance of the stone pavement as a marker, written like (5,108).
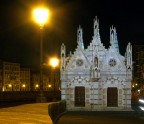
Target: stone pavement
(87,117)
(36,113)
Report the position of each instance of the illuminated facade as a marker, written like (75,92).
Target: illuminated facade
(96,78)
(13,77)
(16,78)
(51,80)
(10,73)
(36,81)
(139,67)
(25,79)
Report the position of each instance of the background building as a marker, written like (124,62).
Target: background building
(54,79)
(10,76)
(25,79)
(51,80)
(16,78)
(138,79)
(1,75)
(35,80)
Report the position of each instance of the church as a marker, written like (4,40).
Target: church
(96,78)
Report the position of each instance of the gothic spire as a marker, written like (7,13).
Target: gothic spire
(80,37)
(63,56)
(113,38)
(96,26)
(129,55)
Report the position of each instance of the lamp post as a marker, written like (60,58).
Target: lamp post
(54,63)
(41,16)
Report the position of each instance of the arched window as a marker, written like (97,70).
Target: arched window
(96,61)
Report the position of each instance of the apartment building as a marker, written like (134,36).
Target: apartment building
(25,79)
(51,80)
(9,76)
(139,66)
(13,77)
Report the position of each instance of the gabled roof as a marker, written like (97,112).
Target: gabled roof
(76,56)
(112,53)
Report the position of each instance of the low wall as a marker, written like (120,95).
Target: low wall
(27,96)
(56,109)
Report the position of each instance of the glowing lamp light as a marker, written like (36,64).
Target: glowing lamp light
(41,15)
(138,90)
(23,85)
(49,86)
(59,88)
(36,85)
(9,85)
(54,62)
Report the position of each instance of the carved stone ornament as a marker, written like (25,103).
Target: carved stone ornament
(112,62)
(79,62)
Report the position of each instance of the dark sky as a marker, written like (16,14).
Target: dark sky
(19,34)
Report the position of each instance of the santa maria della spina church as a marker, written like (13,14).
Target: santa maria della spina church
(96,78)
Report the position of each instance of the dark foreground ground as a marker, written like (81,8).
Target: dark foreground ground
(134,117)
(105,117)
(101,118)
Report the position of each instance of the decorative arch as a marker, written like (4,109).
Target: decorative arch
(96,61)
(78,81)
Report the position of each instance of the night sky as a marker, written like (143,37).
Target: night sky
(19,34)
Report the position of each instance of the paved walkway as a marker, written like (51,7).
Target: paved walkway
(36,113)
(100,118)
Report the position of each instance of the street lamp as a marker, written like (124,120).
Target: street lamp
(41,17)
(54,63)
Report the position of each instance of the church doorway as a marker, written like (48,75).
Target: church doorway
(112,97)
(79,96)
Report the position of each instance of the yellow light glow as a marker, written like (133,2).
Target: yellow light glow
(36,85)
(136,84)
(132,85)
(49,85)
(41,15)
(9,85)
(54,62)
(23,85)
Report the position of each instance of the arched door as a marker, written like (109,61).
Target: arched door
(112,97)
(79,96)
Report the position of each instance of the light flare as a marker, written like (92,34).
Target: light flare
(41,15)
(141,100)
(54,62)
(141,107)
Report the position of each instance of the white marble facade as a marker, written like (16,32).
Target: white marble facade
(96,78)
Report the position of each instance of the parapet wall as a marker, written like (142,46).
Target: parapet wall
(56,109)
